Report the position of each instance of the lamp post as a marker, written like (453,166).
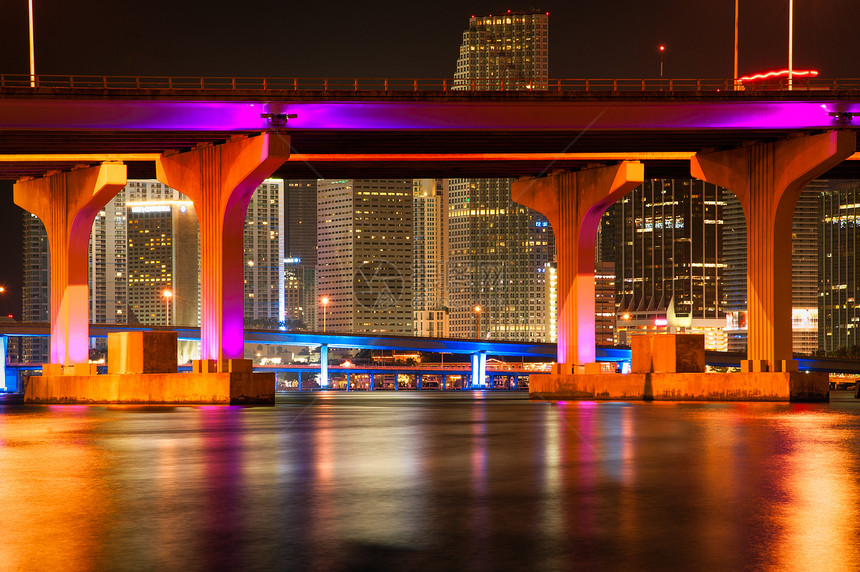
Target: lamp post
(736,41)
(324,301)
(32,53)
(478,320)
(662,49)
(167,294)
(790,40)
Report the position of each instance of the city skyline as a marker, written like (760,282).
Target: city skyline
(615,40)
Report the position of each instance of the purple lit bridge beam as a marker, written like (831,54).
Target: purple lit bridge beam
(574,203)
(768,179)
(219,180)
(67,204)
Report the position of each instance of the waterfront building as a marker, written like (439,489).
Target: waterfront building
(300,248)
(264,257)
(838,272)
(430,257)
(364,256)
(498,249)
(35,293)
(668,259)
(604,304)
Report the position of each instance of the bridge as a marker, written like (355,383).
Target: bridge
(216,141)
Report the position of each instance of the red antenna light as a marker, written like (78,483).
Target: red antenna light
(662,48)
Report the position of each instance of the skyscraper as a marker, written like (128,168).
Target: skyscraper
(430,263)
(264,257)
(839,274)
(498,249)
(364,256)
(668,237)
(300,247)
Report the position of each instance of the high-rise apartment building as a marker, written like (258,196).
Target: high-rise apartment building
(264,257)
(364,256)
(36,295)
(498,250)
(504,52)
(300,248)
(838,271)
(430,263)
(669,236)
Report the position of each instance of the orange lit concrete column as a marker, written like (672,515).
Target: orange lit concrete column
(67,204)
(219,180)
(574,203)
(768,179)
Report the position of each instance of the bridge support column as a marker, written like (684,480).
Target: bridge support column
(574,204)
(479,369)
(219,180)
(324,366)
(371,382)
(347,382)
(418,379)
(67,204)
(768,179)
(299,382)
(4,351)
(444,381)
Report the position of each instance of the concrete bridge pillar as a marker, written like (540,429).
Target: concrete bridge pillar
(479,369)
(67,203)
(219,180)
(768,179)
(574,202)
(324,366)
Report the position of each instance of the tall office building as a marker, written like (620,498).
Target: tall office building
(364,256)
(162,253)
(498,250)
(669,236)
(36,295)
(264,257)
(839,274)
(300,248)
(430,262)
(504,52)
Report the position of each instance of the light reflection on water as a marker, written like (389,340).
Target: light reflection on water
(431,481)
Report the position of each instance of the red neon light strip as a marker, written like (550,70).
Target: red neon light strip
(811,73)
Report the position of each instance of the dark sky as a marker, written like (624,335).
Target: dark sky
(588,38)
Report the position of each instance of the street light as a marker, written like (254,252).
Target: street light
(662,49)
(478,316)
(324,301)
(32,54)
(167,294)
(790,39)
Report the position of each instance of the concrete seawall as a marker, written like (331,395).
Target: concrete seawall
(214,388)
(769,386)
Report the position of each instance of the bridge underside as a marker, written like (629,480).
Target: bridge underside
(393,154)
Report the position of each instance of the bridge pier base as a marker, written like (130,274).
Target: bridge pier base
(219,180)
(768,179)
(574,204)
(67,204)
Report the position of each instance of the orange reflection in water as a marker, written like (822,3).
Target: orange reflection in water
(821,518)
(53,498)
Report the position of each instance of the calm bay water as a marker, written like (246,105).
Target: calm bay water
(431,481)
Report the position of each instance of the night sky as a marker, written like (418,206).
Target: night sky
(588,38)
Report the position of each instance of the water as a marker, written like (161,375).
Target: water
(431,481)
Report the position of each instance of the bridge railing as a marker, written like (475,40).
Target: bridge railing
(183,83)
